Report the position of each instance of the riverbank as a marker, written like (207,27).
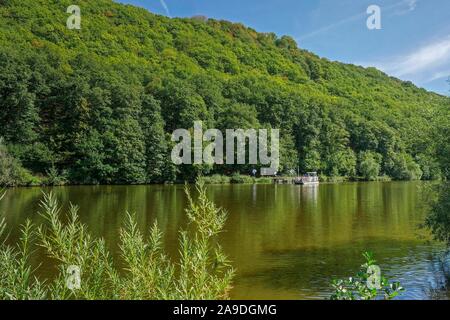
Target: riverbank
(243,179)
(55,180)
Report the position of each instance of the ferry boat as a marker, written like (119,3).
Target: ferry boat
(311,178)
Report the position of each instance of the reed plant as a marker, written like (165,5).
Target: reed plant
(201,272)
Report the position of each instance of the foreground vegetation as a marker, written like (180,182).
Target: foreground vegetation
(202,271)
(97,105)
(438,219)
(364,285)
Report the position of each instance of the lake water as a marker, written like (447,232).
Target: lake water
(286,241)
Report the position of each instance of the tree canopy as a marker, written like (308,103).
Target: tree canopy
(98,104)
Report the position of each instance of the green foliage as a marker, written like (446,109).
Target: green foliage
(215,179)
(204,269)
(438,219)
(263,180)
(156,147)
(16,94)
(401,166)
(443,150)
(16,279)
(11,171)
(54,178)
(71,244)
(430,167)
(147,272)
(358,288)
(235,179)
(369,165)
(100,103)
(241,179)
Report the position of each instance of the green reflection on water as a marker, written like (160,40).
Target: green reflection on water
(287,242)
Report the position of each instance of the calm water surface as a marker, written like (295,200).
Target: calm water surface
(286,242)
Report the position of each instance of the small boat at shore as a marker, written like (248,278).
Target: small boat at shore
(310,178)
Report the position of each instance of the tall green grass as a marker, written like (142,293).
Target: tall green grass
(201,272)
(236,178)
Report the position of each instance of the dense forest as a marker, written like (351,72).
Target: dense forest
(98,105)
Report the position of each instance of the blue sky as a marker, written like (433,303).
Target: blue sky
(413,44)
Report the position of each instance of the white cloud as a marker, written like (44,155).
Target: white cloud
(439,75)
(423,65)
(164,5)
(331,26)
(412,4)
(409,4)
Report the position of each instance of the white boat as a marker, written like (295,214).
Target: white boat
(311,178)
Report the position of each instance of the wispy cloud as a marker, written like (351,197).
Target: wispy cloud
(410,5)
(439,75)
(425,64)
(166,8)
(404,5)
(331,26)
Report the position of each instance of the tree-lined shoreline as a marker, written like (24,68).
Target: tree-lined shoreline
(98,105)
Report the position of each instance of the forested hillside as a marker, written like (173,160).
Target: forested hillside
(98,105)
